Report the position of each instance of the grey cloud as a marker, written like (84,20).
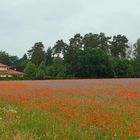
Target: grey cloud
(23,22)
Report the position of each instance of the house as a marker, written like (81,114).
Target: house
(5,71)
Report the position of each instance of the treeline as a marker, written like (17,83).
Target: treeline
(88,56)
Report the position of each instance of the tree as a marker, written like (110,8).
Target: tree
(37,53)
(9,60)
(76,42)
(41,71)
(137,58)
(49,57)
(13,61)
(4,58)
(123,68)
(88,56)
(97,41)
(21,63)
(59,48)
(119,46)
(71,54)
(24,61)
(94,63)
(58,69)
(30,71)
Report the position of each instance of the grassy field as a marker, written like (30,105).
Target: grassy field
(70,110)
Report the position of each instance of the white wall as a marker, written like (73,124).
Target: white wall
(3,68)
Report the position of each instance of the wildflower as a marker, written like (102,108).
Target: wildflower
(132,113)
(138,134)
(134,126)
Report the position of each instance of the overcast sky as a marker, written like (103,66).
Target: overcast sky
(24,22)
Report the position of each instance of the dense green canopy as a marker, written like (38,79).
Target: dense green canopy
(88,56)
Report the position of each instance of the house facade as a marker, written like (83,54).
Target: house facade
(5,71)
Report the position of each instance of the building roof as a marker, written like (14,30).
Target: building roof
(2,65)
(10,72)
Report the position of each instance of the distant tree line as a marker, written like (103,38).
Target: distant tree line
(88,56)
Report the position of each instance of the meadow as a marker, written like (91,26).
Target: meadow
(70,110)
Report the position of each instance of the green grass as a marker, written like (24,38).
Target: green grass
(17,123)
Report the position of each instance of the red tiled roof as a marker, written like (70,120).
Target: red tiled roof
(10,72)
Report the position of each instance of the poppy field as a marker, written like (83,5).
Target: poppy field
(70,110)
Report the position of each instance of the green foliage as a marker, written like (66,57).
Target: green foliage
(119,46)
(30,71)
(97,41)
(71,54)
(4,58)
(49,57)
(59,48)
(40,75)
(23,61)
(57,70)
(88,56)
(94,63)
(137,58)
(37,53)
(123,68)
(41,71)
(13,61)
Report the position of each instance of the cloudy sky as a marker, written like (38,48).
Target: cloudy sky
(24,22)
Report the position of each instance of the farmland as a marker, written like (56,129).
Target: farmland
(70,110)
